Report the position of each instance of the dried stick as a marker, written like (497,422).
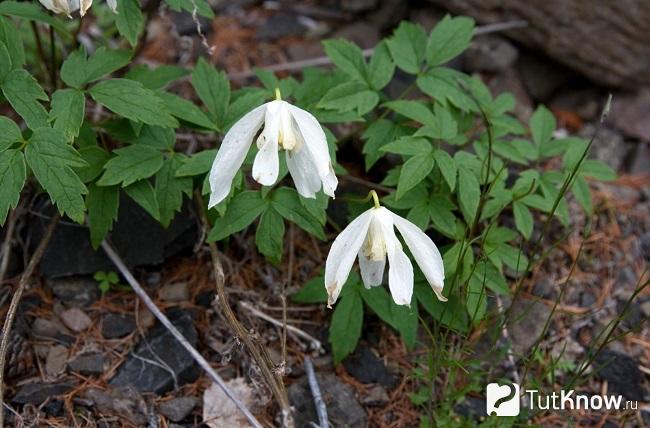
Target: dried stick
(321,408)
(15,299)
(126,273)
(257,350)
(324,60)
(315,343)
(6,245)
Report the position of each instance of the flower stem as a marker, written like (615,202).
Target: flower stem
(278,95)
(375,198)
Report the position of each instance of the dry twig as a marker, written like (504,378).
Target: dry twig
(321,408)
(15,299)
(126,273)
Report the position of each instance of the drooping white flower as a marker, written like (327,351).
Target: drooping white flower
(285,127)
(67,7)
(372,238)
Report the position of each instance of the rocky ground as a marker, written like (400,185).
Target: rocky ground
(82,356)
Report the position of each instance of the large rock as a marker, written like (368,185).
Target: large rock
(138,238)
(172,364)
(607,41)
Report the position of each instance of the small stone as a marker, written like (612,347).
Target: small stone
(76,319)
(178,409)
(116,325)
(645,245)
(47,328)
(376,396)
(280,25)
(123,402)
(587,299)
(490,53)
(175,292)
(88,364)
(80,291)
(471,407)
(366,367)
(608,146)
(645,308)
(526,323)
(544,288)
(56,360)
(159,345)
(630,113)
(342,406)
(37,392)
(621,373)
(362,33)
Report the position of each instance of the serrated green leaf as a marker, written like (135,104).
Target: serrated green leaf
(12,180)
(381,67)
(448,39)
(450,313)
(378,134)
(476,302)
(598,170)
(5,61)
(133,101)
(197,164)
(170,189)
(186,110)
(156,137)
(143,193)
(270,235)
(240,106)
(67,113)
(441,83)
(407,46)
(287,202)
(156,78)
(312,292)
(447,166)
(345,328)
(24,93)
(523,219)
(413,172)
(441,214)
(10,36)
(349,96)
(582,193)
(213,89)
(542,124)
(130,20)
(415,110)
(131,164)
(348,57)
(202,7)
(51,159)
(9,133)
(469,194)
(102,203)
(408,146)
(95,158)
(242,210)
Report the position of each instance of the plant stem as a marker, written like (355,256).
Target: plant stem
(15,299)
(53,65)
(257,350)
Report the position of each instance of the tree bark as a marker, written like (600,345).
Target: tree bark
(608,41)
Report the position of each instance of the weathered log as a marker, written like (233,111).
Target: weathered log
(608,41)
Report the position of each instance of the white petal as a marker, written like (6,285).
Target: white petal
(425,252)
(267,164)
(342,254)
(316,143)
(112,4)
(84,5)
(372,272)
(232,153)
(400,269)
(302,170)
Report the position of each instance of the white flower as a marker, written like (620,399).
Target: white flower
(69,6)
(287,127)
(371,236)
